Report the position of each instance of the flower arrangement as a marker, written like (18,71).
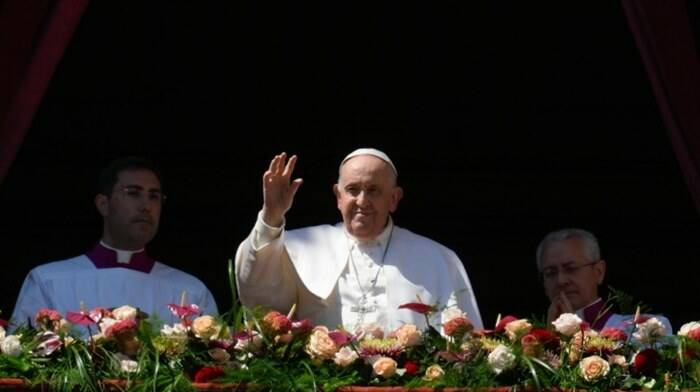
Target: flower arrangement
(267,350)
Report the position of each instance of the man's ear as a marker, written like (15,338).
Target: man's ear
(395,198)
(600,269)
(102,204)
(336,192)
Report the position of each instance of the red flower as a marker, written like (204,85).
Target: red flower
(340,338)
(411,368)
(121,327)
(79,318)
(4,323)
(184,311)
(546,338)
(614,334)
(418,307)
(458,326)
(208,373)
(694,334)
(501,326)
(645,362)
(277,323)
(301,326)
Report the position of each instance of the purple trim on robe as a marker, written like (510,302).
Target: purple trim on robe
(103,257)
(593,313)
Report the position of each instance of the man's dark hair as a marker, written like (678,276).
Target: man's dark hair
(110,174)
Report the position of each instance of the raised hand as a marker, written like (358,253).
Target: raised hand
(278,190)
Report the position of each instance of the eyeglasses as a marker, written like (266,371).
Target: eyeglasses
(138,193)
(552,273)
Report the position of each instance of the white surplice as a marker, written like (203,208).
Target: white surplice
(312,267)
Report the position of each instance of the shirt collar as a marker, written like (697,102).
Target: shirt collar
(105,256)
(382,240)
(595,314)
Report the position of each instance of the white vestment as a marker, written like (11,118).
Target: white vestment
(312,267)
(63,285)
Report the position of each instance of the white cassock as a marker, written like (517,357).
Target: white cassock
(337,281)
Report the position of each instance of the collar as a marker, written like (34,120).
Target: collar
(382,240)
(595,314)
(104,256)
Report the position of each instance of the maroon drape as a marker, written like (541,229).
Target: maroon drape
(33,37)
(665,40)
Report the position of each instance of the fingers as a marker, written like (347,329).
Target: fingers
(295,186)
(565,304)
(289,168)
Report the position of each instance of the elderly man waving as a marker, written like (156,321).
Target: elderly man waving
(353,273)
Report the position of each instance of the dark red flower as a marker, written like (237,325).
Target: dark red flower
(208,373)
(340,338)
(4,323)
(645,362)
(411,368)
(418,307)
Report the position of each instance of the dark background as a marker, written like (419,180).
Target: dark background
(505,122)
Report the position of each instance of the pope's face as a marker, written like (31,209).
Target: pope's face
(566,268)
(366,194)
(132,212)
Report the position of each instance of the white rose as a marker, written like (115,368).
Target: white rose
(11,346)
(106,322)
(500,359)
(345,357)
(2,333)
(687,327)
(451,313)
(567,324)
(176,330)
(649,331)
(125,312)
(127,364)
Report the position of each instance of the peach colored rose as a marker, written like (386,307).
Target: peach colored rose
(433,372)
(593,368)
(516,329)
(205,327)
(407,335)
(384,367)
(320,345)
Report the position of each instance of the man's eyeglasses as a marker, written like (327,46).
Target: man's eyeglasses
(138,193)
(552,273)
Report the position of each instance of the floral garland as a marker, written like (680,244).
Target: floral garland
(272,351)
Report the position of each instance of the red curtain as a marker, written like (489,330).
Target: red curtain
(665,40)
(33,37)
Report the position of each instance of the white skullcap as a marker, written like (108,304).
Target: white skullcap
(373,152)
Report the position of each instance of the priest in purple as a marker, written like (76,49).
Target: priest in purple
(571,269)
(117,271)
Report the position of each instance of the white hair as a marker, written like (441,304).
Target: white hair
(590,243)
